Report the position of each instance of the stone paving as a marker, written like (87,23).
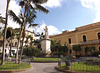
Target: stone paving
(42,68)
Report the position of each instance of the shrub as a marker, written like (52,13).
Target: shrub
(0,53)
(76,48)
(31,51)
(95,53)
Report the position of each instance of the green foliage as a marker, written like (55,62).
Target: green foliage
(57,49)
(38,43)
(0,53)
(92,48)
(87,49)
(77,48)
(10,32)
(13,66)
(31,51)
(95,53)
(46,59)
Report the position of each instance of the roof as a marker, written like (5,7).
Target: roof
(88,26)
(77,29)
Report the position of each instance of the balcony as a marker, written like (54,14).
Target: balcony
(91,42)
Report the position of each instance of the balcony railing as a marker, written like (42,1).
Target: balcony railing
(91,42)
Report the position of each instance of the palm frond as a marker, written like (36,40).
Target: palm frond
(41,8)
(2,20)
(14,17)
(21,3)
(33,25)
(39,1)
(21,17)
(33,8)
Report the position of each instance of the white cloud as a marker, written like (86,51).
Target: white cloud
(12,6)
(3,7)
(16,8)
(51,29)
(92,4)
(53,3)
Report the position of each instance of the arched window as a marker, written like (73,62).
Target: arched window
(15,43)
(99,35)
(84,38)
(69,40)
(99,48)
(70,51)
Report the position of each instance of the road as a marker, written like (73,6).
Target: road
(42,68)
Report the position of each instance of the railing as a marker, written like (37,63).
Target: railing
(80,65)
(10,65)
(91,41)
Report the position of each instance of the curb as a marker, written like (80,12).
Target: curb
(73,71)
(13,71)
(44,61)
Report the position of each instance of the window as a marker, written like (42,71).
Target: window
(84,38)
(99,48)
(99,36)
(69,40)
(70,51)
(15,43)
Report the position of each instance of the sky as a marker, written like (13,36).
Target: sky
(64,15)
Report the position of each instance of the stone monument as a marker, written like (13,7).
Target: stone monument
(45,43)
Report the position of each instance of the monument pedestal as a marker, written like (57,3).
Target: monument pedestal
(46,46)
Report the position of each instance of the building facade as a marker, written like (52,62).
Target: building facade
(14,42)
(88,35)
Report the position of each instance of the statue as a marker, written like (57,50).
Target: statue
(46,32)
(46,43)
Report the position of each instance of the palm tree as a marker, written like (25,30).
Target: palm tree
(20,20)
(28,17)
(26,39)
(31,39)
(10,35)
(4,35)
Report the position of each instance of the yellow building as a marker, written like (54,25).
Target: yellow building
(88,35)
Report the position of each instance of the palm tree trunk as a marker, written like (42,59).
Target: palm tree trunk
(10,46)
(23,35)
(4,35)
(18,45)
(22,43)
(21,51)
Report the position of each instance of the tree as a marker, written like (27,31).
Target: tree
(57,49)
(26,39)
(53,43)
(28,17)
(0,31)
(93,48)
(4,35)
(20,20)
(10,35)
(37,43)
(76,48)
(87,49)
(31,51)
(31,39)
(2,19)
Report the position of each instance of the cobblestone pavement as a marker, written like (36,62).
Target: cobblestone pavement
(42,68)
